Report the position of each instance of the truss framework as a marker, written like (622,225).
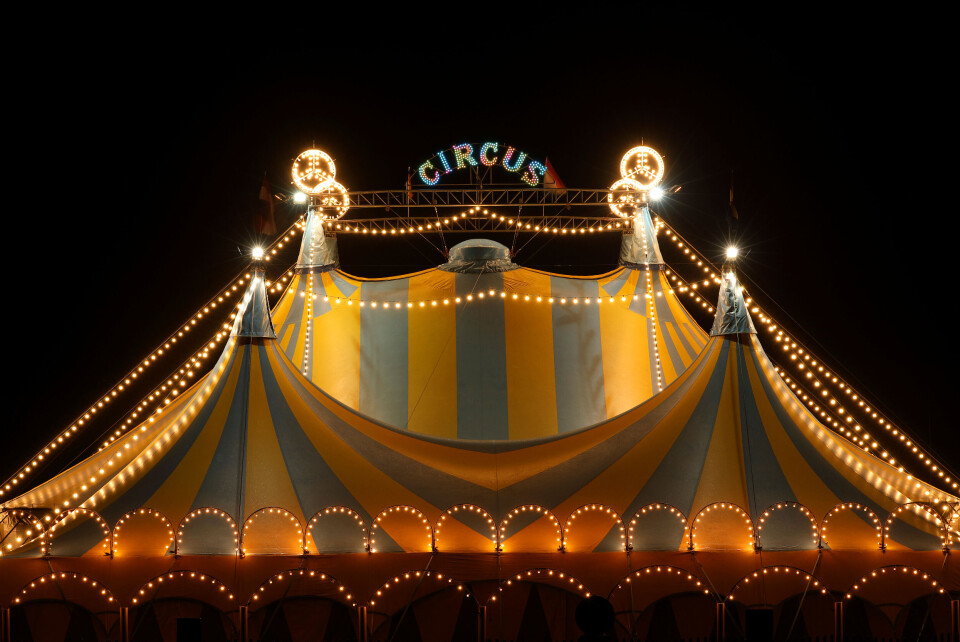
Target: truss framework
(474,196)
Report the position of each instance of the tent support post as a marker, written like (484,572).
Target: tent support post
(124,624)
(838,621)
(482,624)
(362,623)
(244,622)
(721,621)
(954,620)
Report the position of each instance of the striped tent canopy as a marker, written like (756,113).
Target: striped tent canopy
(513,354)
(256,456)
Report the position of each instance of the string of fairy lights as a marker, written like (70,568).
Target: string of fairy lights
(821,379)
(817,386)
(164,393)
(889,576)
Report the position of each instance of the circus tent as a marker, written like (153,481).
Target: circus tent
(508,417)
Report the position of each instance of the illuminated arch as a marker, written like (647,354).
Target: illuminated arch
(49,534)
(549,576)
(270,510)
(917,508)
(115,548)
(896,572)
(722,506)
(28,534)
(331,511)
(472,509)
(203,512)
(654,508)
(598,508)
(652,572)
(94,587)
(779,571)
(851,506)
(529,508)
(401,511)
(441,581)
(338,591)
(220,591)
(806,512)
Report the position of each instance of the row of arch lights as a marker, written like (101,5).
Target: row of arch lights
(752,534)
(152,587)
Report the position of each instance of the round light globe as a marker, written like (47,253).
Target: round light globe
(731,252)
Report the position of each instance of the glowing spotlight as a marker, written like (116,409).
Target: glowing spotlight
(656,193)
(257,253)
(731,253)
(299,197)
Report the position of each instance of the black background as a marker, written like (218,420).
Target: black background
(137,153)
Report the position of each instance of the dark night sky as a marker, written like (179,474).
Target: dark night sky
(138,157)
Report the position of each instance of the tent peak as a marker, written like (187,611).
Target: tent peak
(253,319)
(732,316)
(639,246)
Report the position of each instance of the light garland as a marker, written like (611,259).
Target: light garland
(599,508)
(416,576)
(342,592)
(468,508)
(784,505)
(204,512)
(47,538)
(192,576)
(532,508)
(916,508)
(897,571)
(571,225)
(652,508)
(722,506)
(115,550)
(778,570)
(655,572)
(485,295)
(271,510)
(338,510)
(400,510)
(153,358)
(560,577)
(53,579)
(852,506)
(808,363)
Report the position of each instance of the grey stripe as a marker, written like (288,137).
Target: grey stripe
(481,360)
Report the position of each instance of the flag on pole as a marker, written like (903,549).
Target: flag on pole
(733,208)
(551,180)
(265,223)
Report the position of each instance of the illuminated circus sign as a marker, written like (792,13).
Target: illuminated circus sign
(487,154)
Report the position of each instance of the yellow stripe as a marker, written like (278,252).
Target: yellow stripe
(432,360)
(625,342)
(335,345)
(640,462)
(806,484)
(371,487)
(531,378)
(722,478)
(282,309)
(267,481)
(492,470)
(175,496)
